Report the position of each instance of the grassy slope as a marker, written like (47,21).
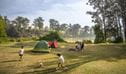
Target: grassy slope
(96,59)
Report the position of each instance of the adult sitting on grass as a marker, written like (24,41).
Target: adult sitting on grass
(21,53)
(82,46)
(78,47)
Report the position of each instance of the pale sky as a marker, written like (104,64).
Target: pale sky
(65,11)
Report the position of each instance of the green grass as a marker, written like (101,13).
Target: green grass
(95,59)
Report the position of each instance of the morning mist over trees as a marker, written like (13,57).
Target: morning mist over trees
(108,18)
(63,37)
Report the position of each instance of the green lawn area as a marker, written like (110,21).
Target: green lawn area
(95,59)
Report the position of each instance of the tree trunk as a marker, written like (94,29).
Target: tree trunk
(124,25)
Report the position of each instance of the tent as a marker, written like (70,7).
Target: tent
(41,46)
(53,44)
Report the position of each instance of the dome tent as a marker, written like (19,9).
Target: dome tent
(41,46)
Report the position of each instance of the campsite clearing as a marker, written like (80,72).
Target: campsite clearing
(96,59)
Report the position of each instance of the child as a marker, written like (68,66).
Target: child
(41,63)
(60,60)
(21,52)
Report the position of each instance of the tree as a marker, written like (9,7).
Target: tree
(75,30)
(21,24)
(3,35)
(12,31)
(68,32)
(38,22)
(54,24)
(63,26)
(122,8)
(99,34)
(2,27)
(84,32)
(108,14)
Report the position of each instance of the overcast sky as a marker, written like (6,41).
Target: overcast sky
(65,11)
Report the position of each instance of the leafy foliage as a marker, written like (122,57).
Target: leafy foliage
(2,27)
(38,22)
(99,34)
(118,40)
(54,24)
(53,35)
(110,14)
(3,34)
(87,41)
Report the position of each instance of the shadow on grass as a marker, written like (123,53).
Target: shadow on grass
(25,44)
(9,61)
(110,54)
(30,52)
(54,71)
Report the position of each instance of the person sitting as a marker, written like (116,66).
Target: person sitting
(78,46)
(82,46)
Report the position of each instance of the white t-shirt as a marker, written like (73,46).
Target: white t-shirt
(61,59)
(21,51)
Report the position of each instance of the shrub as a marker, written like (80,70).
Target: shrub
(18,40)
(87,41)
(34,38)
(3,39)
(12,39)
(118,40)
(51,36)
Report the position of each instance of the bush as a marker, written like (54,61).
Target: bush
(24,39)
(18,40)
(34,38)
(12,39)
(53,35)
(99,40)
(115,40)
(3,39)
(118,40)
(87,41)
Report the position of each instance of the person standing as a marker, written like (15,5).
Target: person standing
(60,61)
(21,53)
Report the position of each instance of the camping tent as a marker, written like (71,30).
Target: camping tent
(41,46)
(53,44)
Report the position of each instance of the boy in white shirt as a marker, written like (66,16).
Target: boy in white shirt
(21,52)
(60,60)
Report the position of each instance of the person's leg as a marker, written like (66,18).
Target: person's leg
(58,65)
(62,66)
(21,56)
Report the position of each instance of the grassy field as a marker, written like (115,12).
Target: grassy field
(95,59)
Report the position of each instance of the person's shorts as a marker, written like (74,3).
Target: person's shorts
(20,54)
(60,62)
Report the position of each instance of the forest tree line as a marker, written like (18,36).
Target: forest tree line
(110,19)
(21,27)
